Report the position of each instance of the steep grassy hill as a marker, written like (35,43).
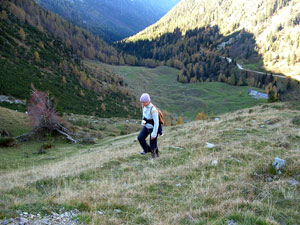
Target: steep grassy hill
(15,123)
(111,20)
(274,23)
(189,184)
(30,58)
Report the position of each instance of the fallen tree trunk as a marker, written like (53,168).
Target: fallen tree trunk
(66,136)
(25,137)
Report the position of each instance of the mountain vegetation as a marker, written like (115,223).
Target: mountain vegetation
(83,43)
(41,50)
(273,23)
(111,20)
(110,183)
(185,100)
(198,55)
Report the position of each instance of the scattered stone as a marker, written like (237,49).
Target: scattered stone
(100,213)
(23,221)
(262,126)
(217,119)
(178,185)
(175,147)
(209,145)
(293,182)
(269,179)
(271,217)
(254,121)
(5,222)
(118,210)
(278,164)
(11,100)
(231,222)
(239,129)
(64,218)
(214,162)
(238,161)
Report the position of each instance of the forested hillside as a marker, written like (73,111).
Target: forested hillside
(111,20)
(31,56)
(81,41)
(274,24)
(196,54)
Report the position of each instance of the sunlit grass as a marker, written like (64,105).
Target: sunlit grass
(180,187)
(185,99)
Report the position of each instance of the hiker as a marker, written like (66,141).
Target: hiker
(150,125)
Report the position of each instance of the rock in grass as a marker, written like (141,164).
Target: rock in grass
(231,222)
(5,222)
(100,213)
(278,164)
(175,147)
(117,210)
(209,145)
(293,182)
(214,163)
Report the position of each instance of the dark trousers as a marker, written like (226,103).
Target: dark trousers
(142,139)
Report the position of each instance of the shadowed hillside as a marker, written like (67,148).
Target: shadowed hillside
(111,20)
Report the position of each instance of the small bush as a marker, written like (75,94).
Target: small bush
(7,141)
(44,147)
(89,140)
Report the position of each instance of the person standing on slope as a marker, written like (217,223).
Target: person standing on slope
(150,125)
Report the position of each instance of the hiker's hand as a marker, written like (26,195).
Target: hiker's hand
(152,138)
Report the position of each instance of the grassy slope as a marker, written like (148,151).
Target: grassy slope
(185,99)
(16,123)
(25,154)
(181,187)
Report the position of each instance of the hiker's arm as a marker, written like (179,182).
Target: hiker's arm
(143,122)
(156,123)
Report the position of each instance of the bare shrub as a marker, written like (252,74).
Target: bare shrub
(41,111)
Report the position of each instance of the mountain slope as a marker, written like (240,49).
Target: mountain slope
(32,57)
(111,20)
(274,23)
(189,184)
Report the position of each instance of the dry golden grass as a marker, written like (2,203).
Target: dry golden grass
(180,187)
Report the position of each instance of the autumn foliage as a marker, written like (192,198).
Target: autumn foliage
(41,111)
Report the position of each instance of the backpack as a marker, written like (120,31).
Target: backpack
(160,115)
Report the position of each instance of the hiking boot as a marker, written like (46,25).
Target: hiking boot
(157,152)
(153,153)
(143,152)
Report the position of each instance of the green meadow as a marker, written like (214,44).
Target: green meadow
(185,100)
